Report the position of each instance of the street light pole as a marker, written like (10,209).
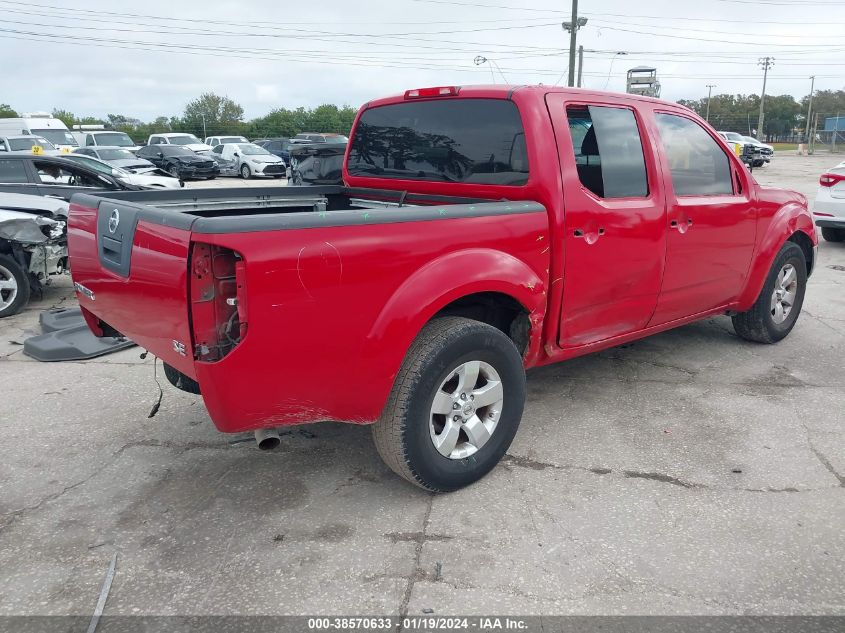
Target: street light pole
(765,63)
(809,109)
(573,27)
(709,93)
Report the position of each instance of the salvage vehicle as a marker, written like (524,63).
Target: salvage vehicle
(152,178)
(247,160)
(33,247)
(766,151)
(180,162)
(316,163)
(480,231)
(189,141)
(829,207)
(214,141)
(118,157)
(108,138)
(56,176)
(278,146)
(28,145)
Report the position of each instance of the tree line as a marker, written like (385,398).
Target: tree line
(213,115)
(784,117)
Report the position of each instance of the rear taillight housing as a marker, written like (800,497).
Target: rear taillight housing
(218,301)
(829,180)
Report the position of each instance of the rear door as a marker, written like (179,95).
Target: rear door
(615,223)
(712,221)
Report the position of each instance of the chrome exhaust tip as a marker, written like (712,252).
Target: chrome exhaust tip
(267,439)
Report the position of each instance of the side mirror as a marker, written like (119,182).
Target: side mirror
(160,154)
(236,154)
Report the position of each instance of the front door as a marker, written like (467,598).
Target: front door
(712,221)
(615,224)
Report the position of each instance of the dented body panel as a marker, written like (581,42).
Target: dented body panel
(299,304)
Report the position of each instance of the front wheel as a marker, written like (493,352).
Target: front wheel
(455,406)
(173,170)
(776,310)
(245,173)
(14,287)
(833,235)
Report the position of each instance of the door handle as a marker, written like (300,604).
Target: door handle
(580,232)
(681,225)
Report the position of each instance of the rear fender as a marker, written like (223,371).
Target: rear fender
(433,287)
(788,220)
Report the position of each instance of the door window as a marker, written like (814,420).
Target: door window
(608,151)
(13,171)
(52,174)
(698,164)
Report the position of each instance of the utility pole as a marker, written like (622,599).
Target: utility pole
(204,131)
(765,63)
(573,34)
(573,27)
(580,63)
(809,109)
(709,92)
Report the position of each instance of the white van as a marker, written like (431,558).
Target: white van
(40,124)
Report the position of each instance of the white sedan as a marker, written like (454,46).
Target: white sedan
(247,160)
(829,208)
(155,178)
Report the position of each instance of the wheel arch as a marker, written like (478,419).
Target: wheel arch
(791,223)
(489,285)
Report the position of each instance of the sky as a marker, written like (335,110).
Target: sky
(146,59)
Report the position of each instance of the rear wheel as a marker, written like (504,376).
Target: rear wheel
(455,406)
(14,287)
(777,308)
(833,235)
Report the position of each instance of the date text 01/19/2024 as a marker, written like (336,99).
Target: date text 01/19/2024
(420,623)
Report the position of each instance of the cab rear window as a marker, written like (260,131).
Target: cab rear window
(479,141)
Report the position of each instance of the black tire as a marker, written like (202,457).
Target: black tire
(173,170)
(833,235)
(758,323)
(402,435)
(245,172)
(180,380)
(9,268)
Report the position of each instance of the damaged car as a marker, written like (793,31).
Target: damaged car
(316,163)
(33,247)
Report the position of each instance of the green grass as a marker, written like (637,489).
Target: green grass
(782,147)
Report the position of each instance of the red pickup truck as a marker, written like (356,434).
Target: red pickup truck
(479,231)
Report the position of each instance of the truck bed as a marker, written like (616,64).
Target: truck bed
(289,291)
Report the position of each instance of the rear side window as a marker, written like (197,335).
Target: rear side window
(13,171)
(698,165)
(462,140)
(608,151)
